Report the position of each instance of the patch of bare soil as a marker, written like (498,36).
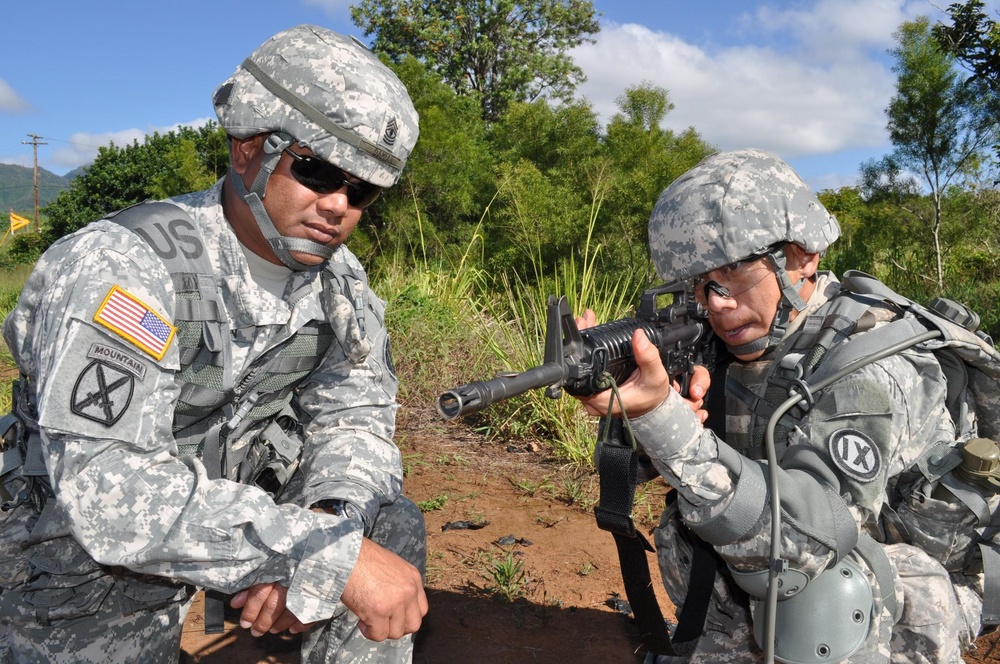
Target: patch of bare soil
(538,521)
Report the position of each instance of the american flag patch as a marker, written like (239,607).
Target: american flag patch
(125,315)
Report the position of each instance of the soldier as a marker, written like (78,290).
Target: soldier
(747,234)
(208,397)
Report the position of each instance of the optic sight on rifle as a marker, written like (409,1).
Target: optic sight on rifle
(583,362)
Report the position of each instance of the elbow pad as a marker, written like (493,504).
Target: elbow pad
(747,505)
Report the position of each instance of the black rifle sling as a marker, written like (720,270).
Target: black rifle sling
(618,466)
(618,470)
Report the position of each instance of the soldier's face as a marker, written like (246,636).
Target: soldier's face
(301,212)
(746,313)
(326,216)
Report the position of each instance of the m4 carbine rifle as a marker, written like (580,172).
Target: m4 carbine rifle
(584,362)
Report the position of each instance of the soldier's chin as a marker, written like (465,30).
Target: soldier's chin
(306,258)
(750,350)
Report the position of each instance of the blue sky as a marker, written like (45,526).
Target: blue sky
(807,79)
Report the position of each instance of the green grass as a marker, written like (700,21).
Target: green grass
(454,324)
(507,575)
(433,504)
(11,282)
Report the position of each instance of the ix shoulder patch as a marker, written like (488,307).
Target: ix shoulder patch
(133,320)
(855,454)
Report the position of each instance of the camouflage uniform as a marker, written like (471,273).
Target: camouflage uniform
(106,571)
(893,408)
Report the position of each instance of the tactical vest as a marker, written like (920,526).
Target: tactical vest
(946,504)
(249,431)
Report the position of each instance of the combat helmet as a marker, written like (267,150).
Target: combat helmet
(733,206)
(328,93)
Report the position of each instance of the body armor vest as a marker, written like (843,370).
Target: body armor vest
(247,431)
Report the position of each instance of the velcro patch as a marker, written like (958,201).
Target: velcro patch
(855,454)
(118,359)
(133,320)
(102,393)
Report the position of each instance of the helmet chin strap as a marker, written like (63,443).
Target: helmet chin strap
(282,246)
(790,300)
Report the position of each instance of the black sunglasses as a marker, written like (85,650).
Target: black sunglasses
(324,178)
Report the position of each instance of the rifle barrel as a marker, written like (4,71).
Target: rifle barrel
(476,396)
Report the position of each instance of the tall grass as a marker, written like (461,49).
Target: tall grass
(454,326)
(11,282)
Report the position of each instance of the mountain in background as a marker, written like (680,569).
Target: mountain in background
(17,190)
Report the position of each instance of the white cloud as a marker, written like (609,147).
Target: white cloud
(10,101)
(841,29)
(82,147)
(741,94)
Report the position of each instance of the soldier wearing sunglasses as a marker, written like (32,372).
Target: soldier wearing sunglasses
(208,398)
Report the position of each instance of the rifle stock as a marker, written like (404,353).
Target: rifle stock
(583,362)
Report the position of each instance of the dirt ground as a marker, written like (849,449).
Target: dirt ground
(540,520)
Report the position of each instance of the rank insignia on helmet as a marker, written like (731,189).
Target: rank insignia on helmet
(102,393)
(391,132)
(855,454)
(128,317)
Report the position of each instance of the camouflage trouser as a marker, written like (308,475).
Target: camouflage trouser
(58,605)
(940,616)
(150,637)
(399,528)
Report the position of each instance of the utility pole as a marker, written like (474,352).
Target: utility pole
(35,142)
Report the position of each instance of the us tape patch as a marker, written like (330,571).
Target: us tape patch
(102,393)
(130,318)
(856,454)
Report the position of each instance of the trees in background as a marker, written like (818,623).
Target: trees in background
(941,128)
(162,165)
(540,183)
(974,38)
(500,51)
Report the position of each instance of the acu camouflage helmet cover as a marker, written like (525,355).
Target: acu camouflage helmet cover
(730,206)
(331,94)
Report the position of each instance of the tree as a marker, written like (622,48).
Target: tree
(973,38)
(548,183)
(447,183)
(120,177)
(500,51)
(940,126)
(646,159)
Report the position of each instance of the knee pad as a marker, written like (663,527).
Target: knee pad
(820,621)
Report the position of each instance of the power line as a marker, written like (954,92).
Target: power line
(35,142)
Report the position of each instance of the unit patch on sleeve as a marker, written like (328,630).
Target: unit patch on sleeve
(855,454)
(102,393)
(130,318)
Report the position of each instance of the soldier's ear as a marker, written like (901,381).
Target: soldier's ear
(802,261)
(244,153)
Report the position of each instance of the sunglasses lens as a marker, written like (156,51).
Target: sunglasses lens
(324,178)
